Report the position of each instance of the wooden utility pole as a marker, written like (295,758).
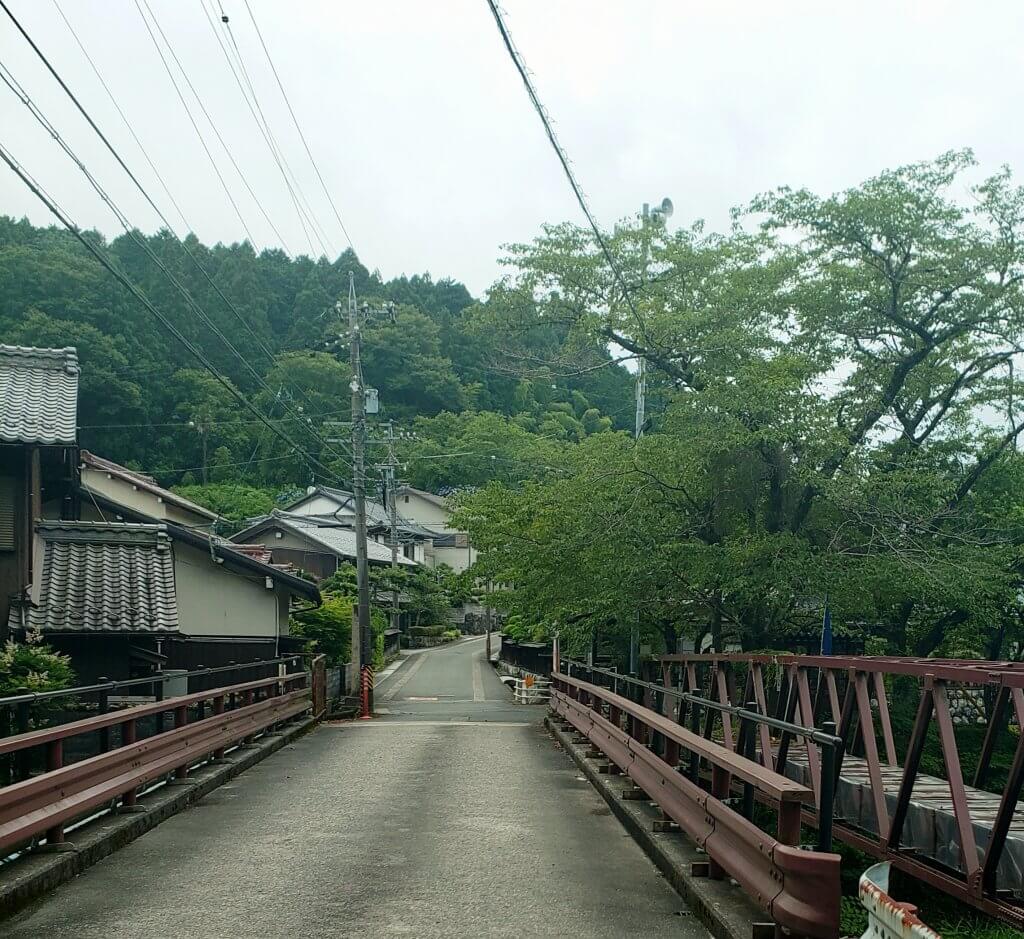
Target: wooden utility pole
(361,640)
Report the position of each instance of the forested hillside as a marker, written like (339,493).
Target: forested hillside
(832,412)
(146,402)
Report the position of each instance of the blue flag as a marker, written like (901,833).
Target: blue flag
(826,631)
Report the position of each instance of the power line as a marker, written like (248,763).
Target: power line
(17,89)
(520,65)
(183,425)
(136,292)
(248,326)
(195,127)
(304,212)
(124,119)
(295,120)
(20,92)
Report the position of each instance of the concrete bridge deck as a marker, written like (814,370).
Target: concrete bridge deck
(451,815)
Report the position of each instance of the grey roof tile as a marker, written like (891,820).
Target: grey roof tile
(38,395)
(105,577)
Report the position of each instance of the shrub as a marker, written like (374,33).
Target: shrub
(37,667)
(33,665)
(428,632)
(328,629)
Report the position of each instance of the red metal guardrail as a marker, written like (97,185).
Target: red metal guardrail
(939,829)
(799,889)
(44,804)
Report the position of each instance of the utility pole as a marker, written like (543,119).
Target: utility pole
(656,216)
(392,502)
(201,427)
(364,400)
(361,627)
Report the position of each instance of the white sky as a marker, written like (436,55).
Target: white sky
(432,151)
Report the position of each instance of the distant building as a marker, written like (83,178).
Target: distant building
(423,519)
(231,604)
(142,493)
(318,545)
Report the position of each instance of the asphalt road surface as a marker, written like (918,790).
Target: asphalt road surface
(452,815)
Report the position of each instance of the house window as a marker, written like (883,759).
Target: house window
(405,499)
(8,540)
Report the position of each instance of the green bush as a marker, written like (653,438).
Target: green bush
(37,667)
(328,629)
(427,632)
(451,634)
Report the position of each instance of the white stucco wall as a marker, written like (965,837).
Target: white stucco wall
(458,559)
(141,500)
(420,510)
(315,505)
(214,601)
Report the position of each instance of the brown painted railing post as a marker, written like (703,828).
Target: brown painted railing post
(104,707)
(748,742)
(129,735)
(22,761)
(911,764)
(961,808)
(991,732)
(218,709)
(180,720)
(721,781)
(1004,817)
(884,719)
(54,761)
(247,699)
(789,823)
(761,700)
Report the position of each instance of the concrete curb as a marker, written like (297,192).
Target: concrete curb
(34,874)
(720,905)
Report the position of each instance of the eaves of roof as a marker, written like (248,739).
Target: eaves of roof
(223,550)
(142,481)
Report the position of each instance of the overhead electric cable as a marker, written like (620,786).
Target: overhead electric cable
(124,119)
(298,197)
(302,136)
(136,292)
(22,94)
(520,65)
(131,231)
(213,125)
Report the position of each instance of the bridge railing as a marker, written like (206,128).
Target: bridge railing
(24,709)
(799,889)
(852,695)
(204,725)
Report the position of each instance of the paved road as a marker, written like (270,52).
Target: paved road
(454,817)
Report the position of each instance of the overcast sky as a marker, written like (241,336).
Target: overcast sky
(428,143)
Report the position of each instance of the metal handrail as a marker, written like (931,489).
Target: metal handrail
(833,747)
(820,737)
(800,889)
(33,697)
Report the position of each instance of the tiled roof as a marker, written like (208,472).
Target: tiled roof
(38,395)
(105,577)
(337,539)
(258,552)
